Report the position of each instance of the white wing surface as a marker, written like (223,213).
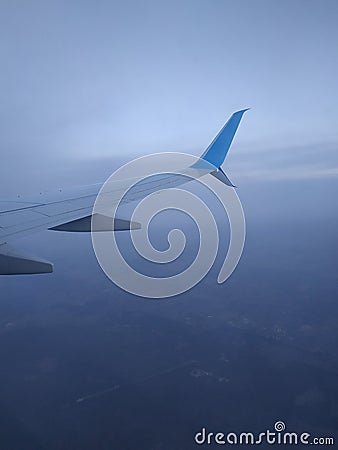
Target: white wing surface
(71,210)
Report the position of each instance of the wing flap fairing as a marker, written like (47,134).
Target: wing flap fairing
(97,223)
(13,262)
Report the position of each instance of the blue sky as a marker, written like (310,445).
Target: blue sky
(86,80)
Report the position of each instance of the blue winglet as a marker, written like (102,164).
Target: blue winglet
(216,152)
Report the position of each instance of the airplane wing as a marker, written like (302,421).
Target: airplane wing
(71,210)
